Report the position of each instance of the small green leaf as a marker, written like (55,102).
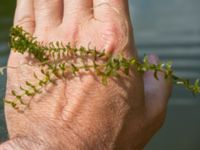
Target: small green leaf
(2,71)
(156,75)
(13,92)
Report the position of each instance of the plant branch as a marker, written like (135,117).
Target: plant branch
(53,64)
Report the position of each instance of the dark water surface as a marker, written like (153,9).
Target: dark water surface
(170,29)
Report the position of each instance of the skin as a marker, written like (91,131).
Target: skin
(81,113)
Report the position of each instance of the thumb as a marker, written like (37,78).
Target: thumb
(157,92)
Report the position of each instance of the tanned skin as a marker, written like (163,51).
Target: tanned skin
(81,113)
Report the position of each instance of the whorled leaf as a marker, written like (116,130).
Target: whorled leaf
(54,66)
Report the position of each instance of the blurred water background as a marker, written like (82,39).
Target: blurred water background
(6,14)
(170,29)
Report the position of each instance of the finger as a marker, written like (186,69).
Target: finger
(157,92)
(106,8)
(24,15)
(77,9)
(48,13)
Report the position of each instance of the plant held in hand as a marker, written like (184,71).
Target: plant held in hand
(51,58)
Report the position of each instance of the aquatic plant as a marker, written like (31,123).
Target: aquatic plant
(51,59)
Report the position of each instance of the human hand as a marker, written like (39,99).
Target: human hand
(80,113)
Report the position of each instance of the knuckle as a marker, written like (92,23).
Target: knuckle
(26,20)
(45,4)
(115,36)
(112,28)
(110,36)
(71,32)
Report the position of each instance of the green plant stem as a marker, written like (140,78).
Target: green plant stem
(53,66)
